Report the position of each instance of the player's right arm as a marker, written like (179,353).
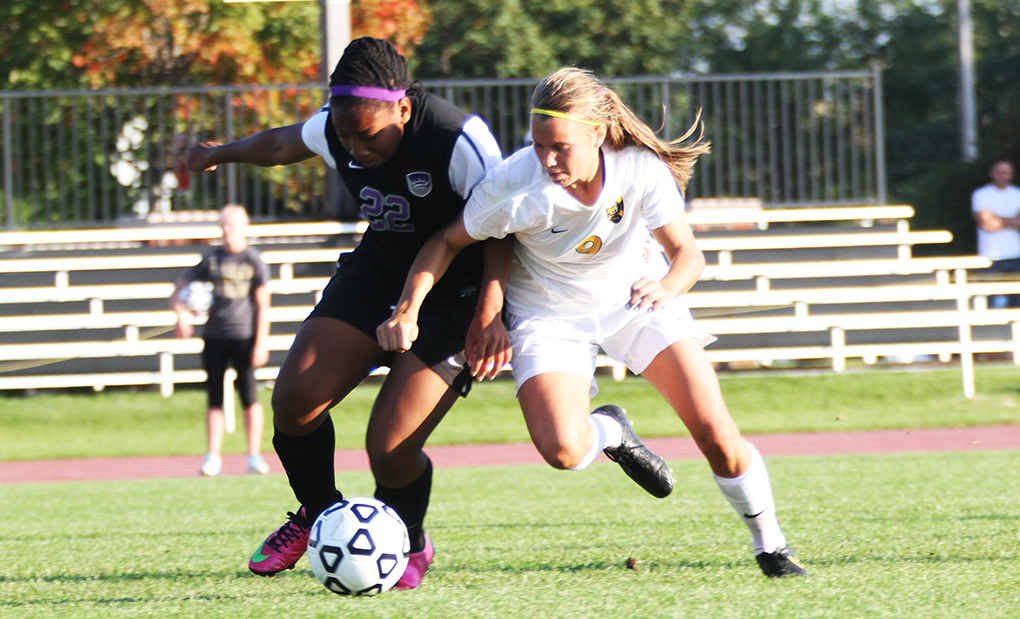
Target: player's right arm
(487,345)
(435,257)
(182,327)
(272,147)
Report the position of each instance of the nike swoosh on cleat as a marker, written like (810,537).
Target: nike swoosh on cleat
(258,557)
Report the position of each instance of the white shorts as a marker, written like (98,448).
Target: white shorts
(633,338)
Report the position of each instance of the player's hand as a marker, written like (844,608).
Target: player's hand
(397,333)
(184,329)
(197,157)
(487,347)
(649,294)
(259,356)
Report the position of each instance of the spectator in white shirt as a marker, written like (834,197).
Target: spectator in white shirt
(996,207)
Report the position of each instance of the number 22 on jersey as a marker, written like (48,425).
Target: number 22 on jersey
(386,213)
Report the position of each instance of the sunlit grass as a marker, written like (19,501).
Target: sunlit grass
(920,535)
(124,422)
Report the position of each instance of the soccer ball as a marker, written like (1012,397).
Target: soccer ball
(197,296)
(358,547)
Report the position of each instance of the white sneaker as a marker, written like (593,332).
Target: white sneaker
(257,465)
(212,465)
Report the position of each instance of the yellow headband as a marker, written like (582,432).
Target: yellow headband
(564,116)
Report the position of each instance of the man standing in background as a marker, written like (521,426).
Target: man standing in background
(996,208)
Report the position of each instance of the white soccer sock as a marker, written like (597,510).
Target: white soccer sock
(607,433)
(751,497)
(609,427)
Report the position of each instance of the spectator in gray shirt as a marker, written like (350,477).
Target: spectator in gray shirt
(234,334)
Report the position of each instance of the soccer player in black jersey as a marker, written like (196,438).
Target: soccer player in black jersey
(410,159)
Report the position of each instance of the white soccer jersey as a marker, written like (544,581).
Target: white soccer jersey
(574,260)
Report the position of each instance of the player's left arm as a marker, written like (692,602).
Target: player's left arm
(686,262)
(435,256)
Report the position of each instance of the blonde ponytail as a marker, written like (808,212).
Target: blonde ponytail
(580,94)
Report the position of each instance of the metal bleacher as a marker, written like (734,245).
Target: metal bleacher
(88,308)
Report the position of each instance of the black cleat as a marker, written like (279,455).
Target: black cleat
(636,460)
(782,562)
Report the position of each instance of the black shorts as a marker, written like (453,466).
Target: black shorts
(360,296)
(216,355)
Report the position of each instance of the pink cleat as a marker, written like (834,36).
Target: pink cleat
(283,548)
(418,564)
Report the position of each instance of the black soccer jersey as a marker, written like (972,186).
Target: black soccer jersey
(410,197)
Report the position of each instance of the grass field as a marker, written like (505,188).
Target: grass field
(922,535)
(120,422)
(917,535)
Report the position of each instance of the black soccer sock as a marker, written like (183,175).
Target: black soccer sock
(411,502)
(308,461)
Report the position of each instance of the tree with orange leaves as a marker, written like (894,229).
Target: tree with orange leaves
(106,43)
(401,22)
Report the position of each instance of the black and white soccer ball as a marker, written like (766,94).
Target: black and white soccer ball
(358,547)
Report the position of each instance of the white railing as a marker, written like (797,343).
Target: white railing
(924,306)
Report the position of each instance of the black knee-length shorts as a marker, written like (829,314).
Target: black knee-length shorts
(360,296)
(216,355)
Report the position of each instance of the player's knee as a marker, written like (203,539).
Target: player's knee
(394,468)
(563,457)
(723,447)
(291,413)
(382,461)
(281,404)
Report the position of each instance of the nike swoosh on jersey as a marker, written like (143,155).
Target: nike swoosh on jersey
(555,231)
(354,166)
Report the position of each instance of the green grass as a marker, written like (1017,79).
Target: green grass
(122,422)
(919,535)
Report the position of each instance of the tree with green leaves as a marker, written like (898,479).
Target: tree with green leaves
(530,38)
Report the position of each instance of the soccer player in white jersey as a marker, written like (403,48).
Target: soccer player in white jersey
(581,201)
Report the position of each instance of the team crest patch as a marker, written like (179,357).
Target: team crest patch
(615,212)
(419,183)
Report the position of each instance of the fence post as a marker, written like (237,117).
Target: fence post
(1014,333)
(880,180)
(166,374)
(966,348)
(838,339)
(231,168)
(8,167)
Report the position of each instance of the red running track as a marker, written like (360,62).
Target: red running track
(816,444)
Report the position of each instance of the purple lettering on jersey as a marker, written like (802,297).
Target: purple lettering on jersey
(385,213)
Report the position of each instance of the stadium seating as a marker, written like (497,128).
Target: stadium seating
(88,308)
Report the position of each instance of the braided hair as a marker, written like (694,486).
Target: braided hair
(370,62)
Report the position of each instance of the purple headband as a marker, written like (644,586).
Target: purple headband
(367,92)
